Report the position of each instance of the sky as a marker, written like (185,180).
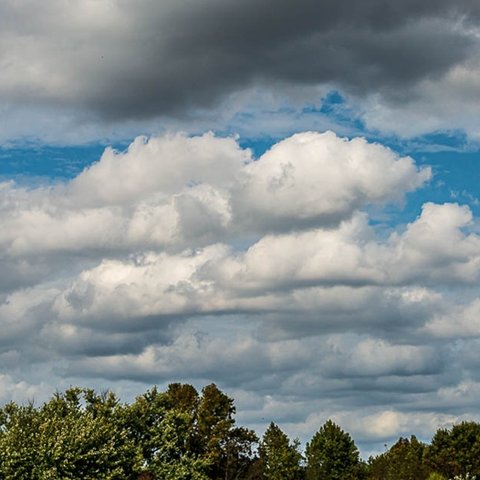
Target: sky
(279,197)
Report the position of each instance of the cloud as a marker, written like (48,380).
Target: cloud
(435,103)
(461,321)
(122,63)
(184,258)
(297,180)
(21,391)
(432,249)
(383,425)
(162,165)
(362,359)
(174,189)
(161,241)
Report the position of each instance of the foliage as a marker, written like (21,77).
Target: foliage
(227,448)
(170,435)
(280,457)
(436,476)
(181,434)
(404,461)
(18,441)
(161,434)
(456,452)
(332,455)
(74,435)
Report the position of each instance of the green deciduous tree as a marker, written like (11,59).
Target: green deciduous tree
(72,436)
(180,434)
(456,452)
(19,426)
(332,455)
(162,435)
(404,461)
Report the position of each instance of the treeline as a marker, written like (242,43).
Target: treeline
(181,434)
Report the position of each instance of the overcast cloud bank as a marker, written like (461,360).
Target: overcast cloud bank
(110,68)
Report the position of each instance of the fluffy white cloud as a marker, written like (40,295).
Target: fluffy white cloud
(437,247)
(161,165)
(310,177)
(184,192)
(433,248)
(151,285)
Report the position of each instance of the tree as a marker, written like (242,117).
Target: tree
(280,458)
(332,455)
(214,421)
(74,435)
(226,448)
(404,461)
(162,437)
(182,397)
(456,452)
(237,459)
(18,443)
(181,435)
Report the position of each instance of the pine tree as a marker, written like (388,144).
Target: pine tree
(280,458)
(332,455)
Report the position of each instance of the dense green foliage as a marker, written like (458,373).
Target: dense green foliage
(404,461)
(172,435)
(181,434)
(280,458)
(332,455)
(456,452)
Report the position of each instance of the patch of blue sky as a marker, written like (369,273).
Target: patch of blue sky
(335,106)
(455,166)
(455,179)
(33,163)
(258,146)
(456,176)
(441,141)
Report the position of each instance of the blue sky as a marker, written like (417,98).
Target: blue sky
(283,203)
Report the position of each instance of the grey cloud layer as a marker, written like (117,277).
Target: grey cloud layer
(130,59)
(185,259)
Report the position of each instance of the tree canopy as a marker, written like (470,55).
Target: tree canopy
(404,461)
(456,452)
(181,434)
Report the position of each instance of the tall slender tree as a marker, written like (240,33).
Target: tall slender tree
(280,458)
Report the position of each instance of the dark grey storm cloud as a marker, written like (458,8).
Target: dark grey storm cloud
(143,59)
(217,47)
